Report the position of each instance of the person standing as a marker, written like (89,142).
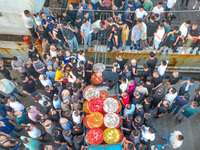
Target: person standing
(110,33)
(188,111)
(120,61)
(172,80)
(156,147)
(136,35)
(88,70)
(7,126)
(57,33)
(193,34)
(170,5)
(140,13)
(124,36)
(18,63)
(156,80)
(186,87)
(148,6)
(39,65)
(145,73)
(158,10)
(151,28)
(197,98)
(179,103)
(29,22)
(28,87)
(22,118)
(86,33)
(14,104)
(186,4)
(9,88)
(32,74)
(158,37)
(195,4)
(162,68)
(152,61)
(147,135)
(175,139)
(31,144)
(68,33)
(171,95)
(143,37)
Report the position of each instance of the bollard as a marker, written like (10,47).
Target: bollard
(27,40)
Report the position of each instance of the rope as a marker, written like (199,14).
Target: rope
(119,101)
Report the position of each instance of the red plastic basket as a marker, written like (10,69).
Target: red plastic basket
(95,79)
(95,136)
(95,105)
(103,94)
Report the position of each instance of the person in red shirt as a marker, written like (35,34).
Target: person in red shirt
(125,99)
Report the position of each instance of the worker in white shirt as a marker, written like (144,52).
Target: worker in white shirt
(175,139)
(162,68)
(147,135)
(29,22)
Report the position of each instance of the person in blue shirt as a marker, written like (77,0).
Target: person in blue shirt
(171,39)
(179,103)
(7,126)
(48,22)
(137,3)
(56,102)
(156,147)
(66,124)
(51,74)
(186,87)
(187,112)
(86,29)
(129,11)
(129,109)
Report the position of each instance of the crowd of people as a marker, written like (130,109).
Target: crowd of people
(135,22)
(63,79)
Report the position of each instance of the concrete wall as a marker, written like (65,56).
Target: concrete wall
(10,22)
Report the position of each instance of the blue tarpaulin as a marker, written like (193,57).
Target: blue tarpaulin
(105,147)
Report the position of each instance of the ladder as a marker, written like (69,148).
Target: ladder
(101,45)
